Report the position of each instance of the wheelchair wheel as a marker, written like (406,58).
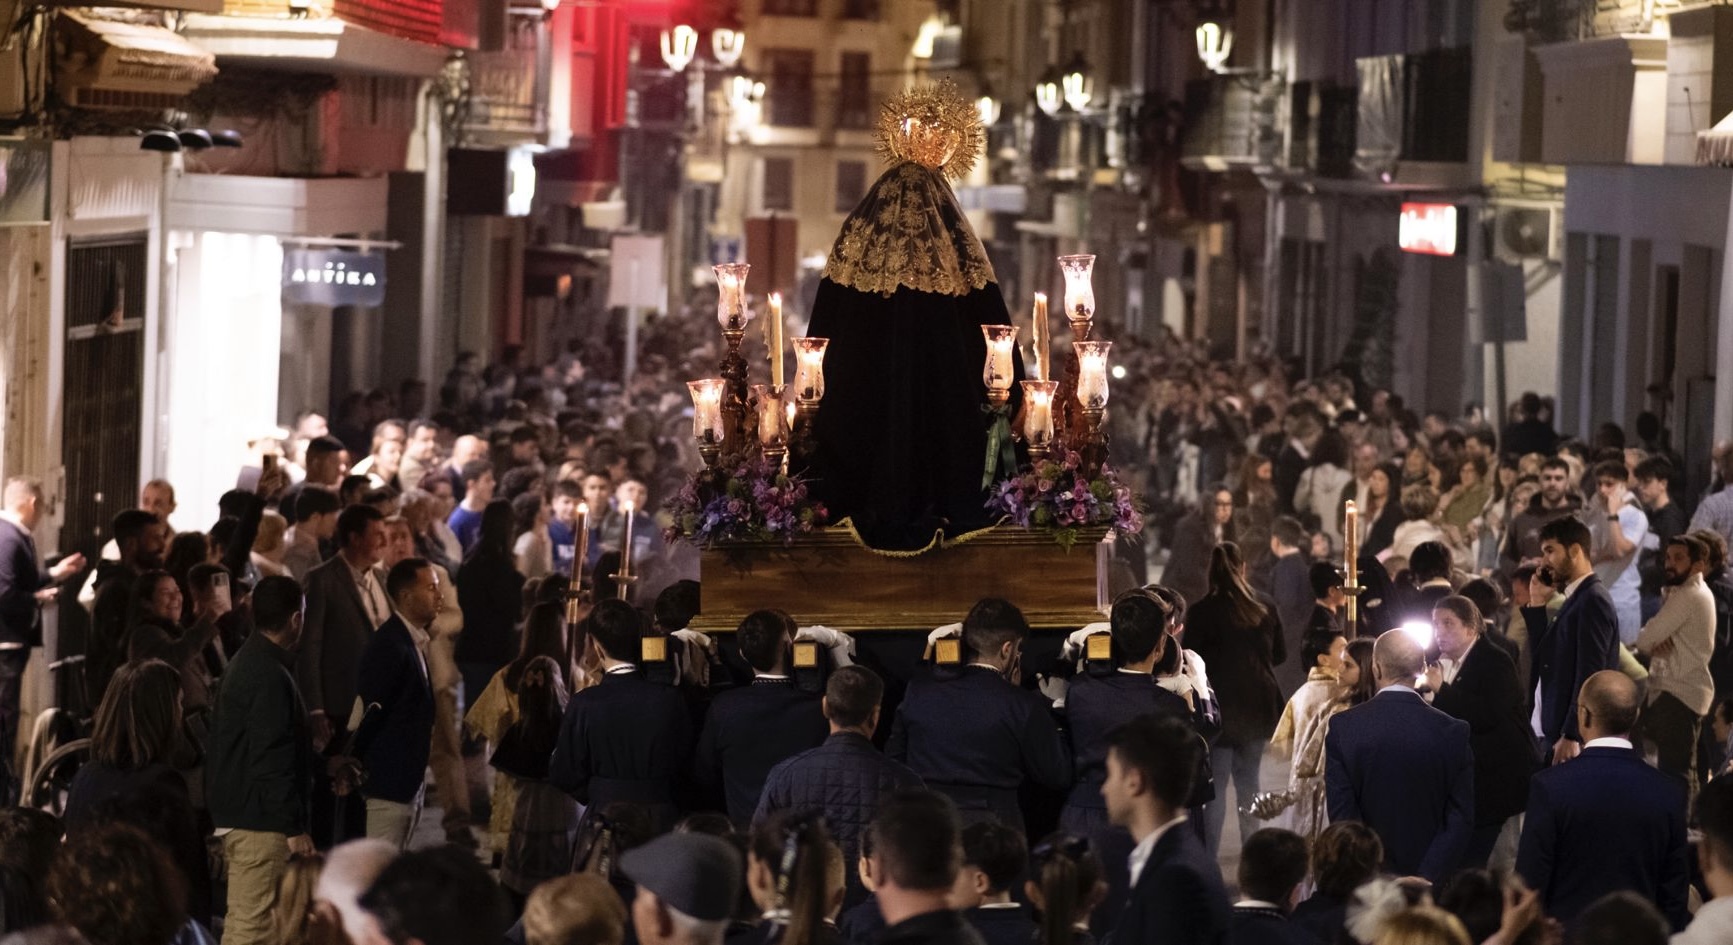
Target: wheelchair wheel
(52,782)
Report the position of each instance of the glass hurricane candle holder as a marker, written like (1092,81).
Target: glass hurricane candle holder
(809,370)
(707,416)
(1038,416)
(772,419)
(1079,291)
(1092,373)
(996,373)
(731,308)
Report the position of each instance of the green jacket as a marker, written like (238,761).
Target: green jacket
(259,764)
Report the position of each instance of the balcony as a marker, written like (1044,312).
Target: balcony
(1413,108)
(1605,101)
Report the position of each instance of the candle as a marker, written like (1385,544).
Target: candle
(626,543)
(1042,346)
(1038,412)
(809,369)
(1351,541)
(1092,373)
(581,551)
(707,409)
(731,308)
(1079,293)
(1001,343)
(771,432)
(776,339)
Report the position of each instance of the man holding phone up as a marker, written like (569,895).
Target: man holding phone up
(1581,641)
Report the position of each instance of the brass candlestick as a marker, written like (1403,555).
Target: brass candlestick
(734,393)
(1094,441)
(623,585)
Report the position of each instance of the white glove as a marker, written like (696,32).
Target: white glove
(694,638)
(948,630)
(840,644)
(1073,648)
(1054,689)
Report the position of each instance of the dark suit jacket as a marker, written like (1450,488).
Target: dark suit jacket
(1488,697)
(623,739)
(1178,899)
(976,738)
(1602,822)
(1582,641)
(1096,705)
(337,631)
(396,733)
(1255,925)
(748,731)
(1404,769)
(21,576)
(1291,587)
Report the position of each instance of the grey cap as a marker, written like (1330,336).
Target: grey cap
(694,874)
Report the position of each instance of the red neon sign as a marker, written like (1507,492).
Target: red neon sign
(1428,228)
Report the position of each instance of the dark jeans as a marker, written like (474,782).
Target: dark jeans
(1242,765)
(1672,728)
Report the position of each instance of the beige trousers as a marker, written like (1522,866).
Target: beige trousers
(257,861)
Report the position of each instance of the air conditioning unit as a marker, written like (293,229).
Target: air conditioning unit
(1528,231)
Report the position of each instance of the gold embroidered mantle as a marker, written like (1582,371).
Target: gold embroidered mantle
(910,231)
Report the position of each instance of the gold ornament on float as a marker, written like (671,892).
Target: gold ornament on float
(934,126)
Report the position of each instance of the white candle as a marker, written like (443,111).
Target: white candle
(581,548)
(1042,345)
(776,339)
(707,409)
(626,543)
(1351,541)
(771,432)
(731,308)
(1092,373)
(1001,343)
(1038,412)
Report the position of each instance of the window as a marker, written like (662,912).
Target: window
(789,87)
(854,97)
(850,184)
(778,183)
(789,7)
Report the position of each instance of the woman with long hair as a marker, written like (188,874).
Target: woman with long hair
(1065,885)
(544,818)
(1194,537)
(490,593)
(1351,686)
(788,875)
(1240,640)
(1321,652)
(1255,510)
(532,549)
(1383,511)
(492,713)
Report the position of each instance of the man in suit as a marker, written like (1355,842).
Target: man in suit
(1402,767)
(625,738)
(1581,641)
(845,777)
(1272,864)
(394,703)
(1476,682)
(976,737)
(1177,897)
(750,729)
(24,585)
(1606,821)
(1328,598)
(346,601)
(916,842)
(1291,588)
(1357,490)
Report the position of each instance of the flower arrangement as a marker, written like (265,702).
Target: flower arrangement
(1055,495)
(751,501)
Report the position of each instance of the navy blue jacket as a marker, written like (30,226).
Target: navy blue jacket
(21,576)
(623,739)
(1582,641)
(1096,705)
(1002,926)
(396,733)
(1178,899)
(750,730)
(1487,696)
(1601,822)
(1404,769)
(1255,925)
(976,738)
(843,779)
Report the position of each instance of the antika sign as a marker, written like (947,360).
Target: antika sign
(333,277)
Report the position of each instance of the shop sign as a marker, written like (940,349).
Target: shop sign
(1428,228)
(333,277)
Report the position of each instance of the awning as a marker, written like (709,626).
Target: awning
(115,64)
(1715,146)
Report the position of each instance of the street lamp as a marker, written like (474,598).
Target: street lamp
(1076,85)
(727,45)
(744,91)
(679,47)
(1215,37)
(1047,93)
(988,105)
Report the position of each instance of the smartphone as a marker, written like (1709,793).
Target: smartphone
(1545,575)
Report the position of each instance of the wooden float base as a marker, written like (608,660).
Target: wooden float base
(828,578)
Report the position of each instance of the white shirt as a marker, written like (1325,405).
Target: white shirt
(1453,666)
(373,598)
(14,519)
(1611,741)
(1140,853)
